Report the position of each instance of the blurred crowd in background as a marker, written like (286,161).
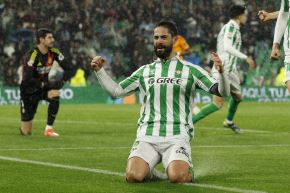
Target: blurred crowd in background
(121,31)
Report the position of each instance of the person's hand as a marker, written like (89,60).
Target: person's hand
(251,62)
(97,63)
(264,16)
(275,54)
(53,93)
(217,62)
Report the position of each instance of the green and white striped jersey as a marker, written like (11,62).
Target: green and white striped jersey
(286,42)
(229,43)
(167,92)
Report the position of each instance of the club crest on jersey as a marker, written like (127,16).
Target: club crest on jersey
(178,72)
(165,80)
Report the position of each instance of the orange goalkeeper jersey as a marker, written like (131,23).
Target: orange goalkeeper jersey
(180,45)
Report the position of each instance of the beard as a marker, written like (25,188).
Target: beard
(49,45)
(163,54)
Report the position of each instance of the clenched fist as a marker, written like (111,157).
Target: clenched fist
(97,63)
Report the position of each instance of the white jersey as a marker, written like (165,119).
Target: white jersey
(283,28)
(229,43)
(167,91)
(284,10)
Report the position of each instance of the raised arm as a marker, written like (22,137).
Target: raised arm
(280,28)
(223,86)
(208,83)
(267,16)
(113,88)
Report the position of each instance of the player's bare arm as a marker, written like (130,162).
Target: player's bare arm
(275,54)
(251,62)
(217,62)
(267,16)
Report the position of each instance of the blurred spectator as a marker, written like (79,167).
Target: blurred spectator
(121,31)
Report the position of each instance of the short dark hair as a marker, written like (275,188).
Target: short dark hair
(41,33)
(170,25)
(237,10)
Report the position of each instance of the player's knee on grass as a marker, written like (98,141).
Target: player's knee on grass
(135,176)
(137,170)
(26,128)
(179,172)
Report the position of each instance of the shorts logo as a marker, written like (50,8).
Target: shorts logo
(182,150)
(165,80)
(135,145)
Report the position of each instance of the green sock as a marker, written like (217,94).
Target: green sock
(233,106)
(204,111)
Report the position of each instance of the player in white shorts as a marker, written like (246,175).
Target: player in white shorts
(167,87)
(282,28)
(228,48)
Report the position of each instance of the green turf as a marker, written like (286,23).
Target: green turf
(258,159)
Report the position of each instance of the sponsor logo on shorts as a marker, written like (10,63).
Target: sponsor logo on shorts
(134,147)
(183,151)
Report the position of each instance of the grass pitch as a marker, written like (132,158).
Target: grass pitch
(91,153)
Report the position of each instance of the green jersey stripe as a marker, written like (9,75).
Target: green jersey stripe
(235,38)
(144,96)
(231,29)
(176,92)
(286,6)
(142,82)
(201,77)
(150,122)
(133,78)
(189,84)
(163,106)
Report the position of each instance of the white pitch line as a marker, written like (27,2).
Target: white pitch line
(96,148)
(99,171)
(77,122)
(135,125)
(62,166)
(242,130)
(240,146)
(223,188)
(59,148)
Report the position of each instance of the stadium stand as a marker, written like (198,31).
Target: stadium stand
(123,33)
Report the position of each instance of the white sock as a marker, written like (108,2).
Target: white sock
(229,122)
(195,110)
(48,127)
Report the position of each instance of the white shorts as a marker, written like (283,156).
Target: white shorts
(154,153)
(234,79)
(287,71)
